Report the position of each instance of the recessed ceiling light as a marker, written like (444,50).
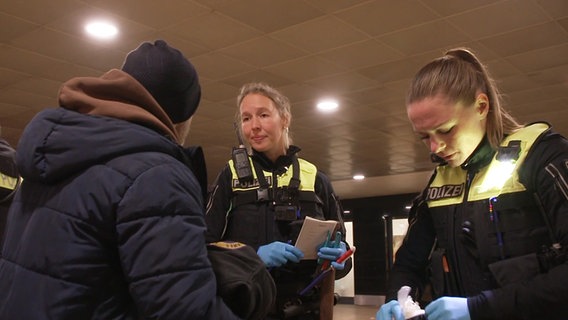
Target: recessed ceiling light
(328,105)
(358,177)
(101,29)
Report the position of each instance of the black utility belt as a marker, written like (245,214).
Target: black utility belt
(263,195)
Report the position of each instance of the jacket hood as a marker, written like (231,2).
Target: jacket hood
(58,143)
(118,95)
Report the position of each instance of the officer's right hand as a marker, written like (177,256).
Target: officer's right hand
(389,311)
(278,253)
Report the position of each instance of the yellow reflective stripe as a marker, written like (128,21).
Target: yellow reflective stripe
(235,178)
(308,172)
(527,136)
(8,182)
(443,189)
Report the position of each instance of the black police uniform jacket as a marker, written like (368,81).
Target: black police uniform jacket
(254,223)
(108,223)
(9,181)
(485,244)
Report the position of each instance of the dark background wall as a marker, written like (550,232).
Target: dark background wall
(369,238)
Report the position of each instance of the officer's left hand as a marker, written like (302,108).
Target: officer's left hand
(332,254)
(444,308)
(276,254)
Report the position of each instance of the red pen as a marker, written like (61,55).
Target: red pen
(346,255)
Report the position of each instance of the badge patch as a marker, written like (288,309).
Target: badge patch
(443,192)
(251,184)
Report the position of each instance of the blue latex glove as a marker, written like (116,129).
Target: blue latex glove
(389,311)
(448,308)
(332,254)
(278,253)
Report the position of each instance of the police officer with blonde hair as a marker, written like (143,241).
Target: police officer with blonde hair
(265,205)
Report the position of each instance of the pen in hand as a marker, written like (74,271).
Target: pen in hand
(346,255)
(324,273)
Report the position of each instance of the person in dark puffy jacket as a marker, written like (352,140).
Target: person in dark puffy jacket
(109,220)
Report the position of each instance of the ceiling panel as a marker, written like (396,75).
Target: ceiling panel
(490,20)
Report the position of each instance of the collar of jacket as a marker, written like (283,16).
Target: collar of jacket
(282,163)
(480,157)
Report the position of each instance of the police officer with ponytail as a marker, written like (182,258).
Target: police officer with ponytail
(263,195)
(490,230)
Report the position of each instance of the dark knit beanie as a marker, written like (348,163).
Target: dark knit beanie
(168,76)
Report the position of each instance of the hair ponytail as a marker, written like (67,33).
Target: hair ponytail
(460,76)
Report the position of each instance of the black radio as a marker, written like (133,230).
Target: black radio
(241,161)
(242,164)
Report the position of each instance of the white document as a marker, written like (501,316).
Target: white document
(313,233)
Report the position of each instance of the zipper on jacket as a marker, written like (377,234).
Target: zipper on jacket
(455,237)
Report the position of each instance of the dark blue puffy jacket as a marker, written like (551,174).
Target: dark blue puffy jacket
(108,224)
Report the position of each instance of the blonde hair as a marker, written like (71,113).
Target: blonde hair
(460,76)
(280,101)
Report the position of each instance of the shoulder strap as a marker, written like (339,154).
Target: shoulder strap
(260,175)
(295,180)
